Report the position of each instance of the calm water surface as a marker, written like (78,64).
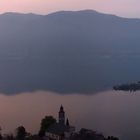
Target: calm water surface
(112,113)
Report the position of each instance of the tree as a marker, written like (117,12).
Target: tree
(0,133)
(9,137)
(0,136)
(112,138)
(45,123)
(21,133)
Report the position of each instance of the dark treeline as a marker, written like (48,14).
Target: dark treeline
(128,87)
(83,134)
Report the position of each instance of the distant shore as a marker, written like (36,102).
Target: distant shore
(132,87)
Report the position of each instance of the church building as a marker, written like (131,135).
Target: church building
(61,130)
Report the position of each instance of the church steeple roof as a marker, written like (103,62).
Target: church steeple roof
(61,109)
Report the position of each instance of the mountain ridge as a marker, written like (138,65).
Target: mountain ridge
(67,52)
(86,11)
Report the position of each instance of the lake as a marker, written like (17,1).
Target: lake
(110,112)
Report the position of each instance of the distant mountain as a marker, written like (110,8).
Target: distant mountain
(67,52)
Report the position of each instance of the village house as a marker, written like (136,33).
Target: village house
(61,130)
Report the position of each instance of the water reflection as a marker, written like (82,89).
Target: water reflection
(113,113)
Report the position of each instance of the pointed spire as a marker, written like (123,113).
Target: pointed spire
(67,122)
(61,109)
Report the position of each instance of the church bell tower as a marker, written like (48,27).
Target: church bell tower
(61,115)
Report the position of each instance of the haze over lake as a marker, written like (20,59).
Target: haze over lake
(112,113)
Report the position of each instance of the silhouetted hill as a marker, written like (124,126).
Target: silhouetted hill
(83,51)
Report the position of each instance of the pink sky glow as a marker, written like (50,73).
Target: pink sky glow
(127,8)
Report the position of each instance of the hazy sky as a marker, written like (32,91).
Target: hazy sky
(127,8)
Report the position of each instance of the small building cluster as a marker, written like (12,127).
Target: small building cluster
(61,130)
